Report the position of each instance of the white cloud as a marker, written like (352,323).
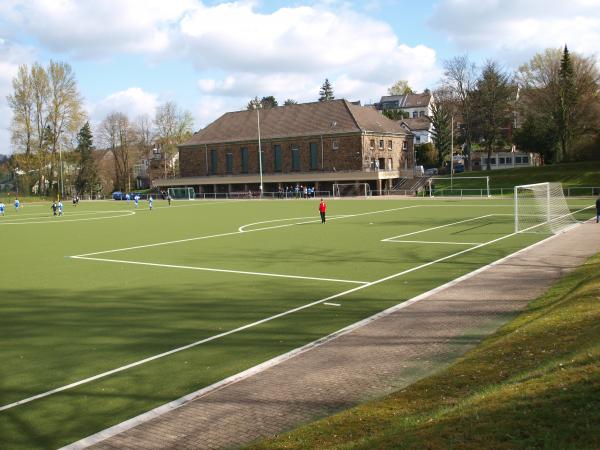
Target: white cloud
(516,29)
(132,102)
(97,27)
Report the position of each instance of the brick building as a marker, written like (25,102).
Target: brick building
(315,144)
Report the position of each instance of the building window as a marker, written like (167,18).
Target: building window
(295,157)
(213,161)
(517,159)
(277,157)
(390,145)
(313,156)
(404,145)
(525,159)
(502,160)
(380,144)
(421,113)
(244,155)
(415,114)
(493,161)
(229,161)
(372,144)
(417,139)
(335,144)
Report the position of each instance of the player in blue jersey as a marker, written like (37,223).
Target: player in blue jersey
(17,204)
(136,200)
(2,206)
(60,208)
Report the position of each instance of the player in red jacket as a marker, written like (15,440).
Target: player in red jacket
(322,210)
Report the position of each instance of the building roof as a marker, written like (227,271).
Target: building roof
(305,119)
(417,123)
(408,100)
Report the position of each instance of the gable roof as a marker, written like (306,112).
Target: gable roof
(417,123)
(304,119)
(408,100)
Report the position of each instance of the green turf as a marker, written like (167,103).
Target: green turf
(66,319)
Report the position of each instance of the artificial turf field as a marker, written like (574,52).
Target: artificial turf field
(105,286)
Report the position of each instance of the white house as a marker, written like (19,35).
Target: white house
(421,127)
(416,105)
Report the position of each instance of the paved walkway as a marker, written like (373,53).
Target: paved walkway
(371,361)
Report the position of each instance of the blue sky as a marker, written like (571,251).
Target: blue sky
(213,56)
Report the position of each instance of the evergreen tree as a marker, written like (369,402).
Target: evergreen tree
(326,92)
(87,178)
(566,103)
(268,102)
(396,114)
(290,101)
(441,119)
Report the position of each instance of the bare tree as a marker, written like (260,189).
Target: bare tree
(460,76)
(173,126)
(117,135)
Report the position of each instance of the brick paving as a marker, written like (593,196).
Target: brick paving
(371,361)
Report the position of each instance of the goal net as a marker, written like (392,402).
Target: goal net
(476,186)
(182,193)
(351,190)
(541,208)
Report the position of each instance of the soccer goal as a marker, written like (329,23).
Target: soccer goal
(351,190)
(541,208)
(182,193)
(449,187)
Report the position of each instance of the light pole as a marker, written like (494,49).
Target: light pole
(257,106)
(62,193)
(451,152)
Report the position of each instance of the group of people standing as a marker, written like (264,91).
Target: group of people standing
(297,191)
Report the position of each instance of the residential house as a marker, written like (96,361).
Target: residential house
(416,105)
(421,127)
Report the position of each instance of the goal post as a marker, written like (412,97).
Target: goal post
(351,190)
(182,193)
(541,208)
(467,191)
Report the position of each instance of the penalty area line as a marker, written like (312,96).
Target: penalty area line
(210,269)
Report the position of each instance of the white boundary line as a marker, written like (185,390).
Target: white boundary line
(52,219)
(436,228)
(156,412)
(209,269)
(244,327)
(435,242)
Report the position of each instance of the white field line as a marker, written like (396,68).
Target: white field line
(247,326)
(434,242)
(332,304)
(61,219)
(160,410)
(209,269)
(231,233)
(436,228)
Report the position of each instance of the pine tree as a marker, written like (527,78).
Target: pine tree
(326,92)
(87,178)
(566,103)
(290,101)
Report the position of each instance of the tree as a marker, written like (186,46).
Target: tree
(268,102)
(441,119)
(87,178)
(562,92)
(173,126)
(537,136)
(290,101)
(117,135)
(396,114)
(459,80)
(47,113)
(566,103)
(492,105)
(400,87)
(326,91)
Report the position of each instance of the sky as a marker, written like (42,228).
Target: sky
(213,56)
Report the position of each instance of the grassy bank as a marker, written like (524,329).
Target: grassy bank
(534,384)
(580,174)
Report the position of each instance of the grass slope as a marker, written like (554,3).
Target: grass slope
(534,384)
(582,174)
